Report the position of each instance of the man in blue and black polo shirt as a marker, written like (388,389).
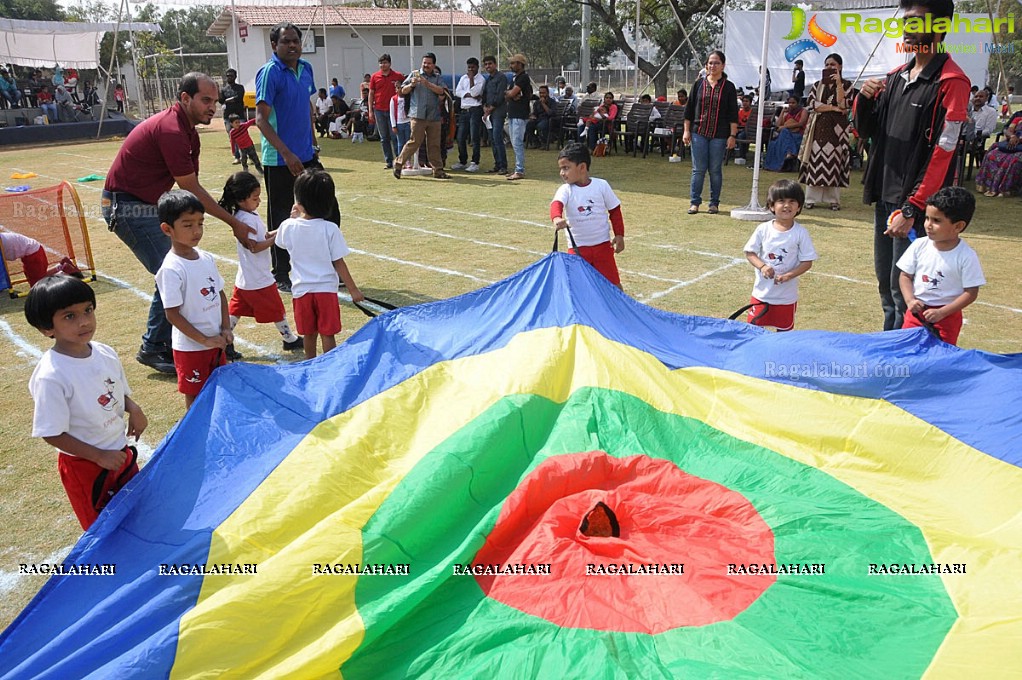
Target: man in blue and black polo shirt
(285,115)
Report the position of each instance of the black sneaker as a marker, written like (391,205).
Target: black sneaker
(158,361)
(233,354)
(294,344)
(284,286)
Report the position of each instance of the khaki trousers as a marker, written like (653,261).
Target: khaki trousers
(430,130)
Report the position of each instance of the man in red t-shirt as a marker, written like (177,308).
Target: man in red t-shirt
(382,87)
(159,152)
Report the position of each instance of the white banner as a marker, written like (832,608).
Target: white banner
(743,33)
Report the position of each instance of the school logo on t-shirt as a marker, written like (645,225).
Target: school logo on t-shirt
(933,282)
(779,257)
(210,291)
(587,209)
(108,401)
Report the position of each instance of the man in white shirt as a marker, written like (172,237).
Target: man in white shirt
(983,119)
(324,107)
(470,122)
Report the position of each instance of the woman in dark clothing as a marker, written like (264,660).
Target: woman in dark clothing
(711,123)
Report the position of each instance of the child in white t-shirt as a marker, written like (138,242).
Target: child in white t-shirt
(317,251)
(81,396)
(193,295)
(940,274)
(255,291)
(781,251)
(591,209)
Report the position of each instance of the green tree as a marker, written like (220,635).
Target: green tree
(32,10)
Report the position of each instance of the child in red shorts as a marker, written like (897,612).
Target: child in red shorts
(940,274)
(255,291)
(81,396)
(317,251)
(32,255)
(193,295)
(781,251)
(589,206)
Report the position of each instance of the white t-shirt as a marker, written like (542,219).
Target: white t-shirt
(782,250)
(82,397)
(314,246)
(940,276)
(254,269)
(324,106)
(397,111)
(587,210)
(194,286)
(17,246)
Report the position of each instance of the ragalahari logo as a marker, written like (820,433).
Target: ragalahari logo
(801,45)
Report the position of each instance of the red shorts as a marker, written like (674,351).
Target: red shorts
(601,256)
(35,265)
(264,304)
(949,327)
(781,317)
(317,313)
(194,368)
(90,487)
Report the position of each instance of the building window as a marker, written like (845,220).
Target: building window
(445,41)
(400,41)
(320,41)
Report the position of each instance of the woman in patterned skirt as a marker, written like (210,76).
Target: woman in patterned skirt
(1001,172)
(827,168)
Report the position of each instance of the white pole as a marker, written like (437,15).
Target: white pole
(326,53)
(411,38)
(754,211)
(454,68)
(234,37)
(585,75)
(638,10)
(134,61)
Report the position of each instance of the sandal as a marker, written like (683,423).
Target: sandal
(693,209)
(713,210)
(835,206)
(810,206)
(441,175)
(990,194)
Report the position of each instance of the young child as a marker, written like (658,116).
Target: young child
(119,97)
(242,142)
(781,251)
(193,295)
(940,274)
(593,211)
(255,292)
(81,396)
(317,251)
(34,261)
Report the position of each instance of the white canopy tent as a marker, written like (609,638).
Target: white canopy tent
(742,30)
(45,43)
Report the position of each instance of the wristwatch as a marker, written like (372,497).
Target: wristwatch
(909,211)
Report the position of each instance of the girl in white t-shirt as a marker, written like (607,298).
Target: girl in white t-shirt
(255,291)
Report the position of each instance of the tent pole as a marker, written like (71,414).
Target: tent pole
(110,68)
(754,211)
(638,12)
(326,52)
(411,38)
(234,36)
(134,59)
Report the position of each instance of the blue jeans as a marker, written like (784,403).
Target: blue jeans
(386,138)
(138,226)
(497,118)
(707,154)
(404,133)
(50,111)
(518,142)
(470,126)
(886,252)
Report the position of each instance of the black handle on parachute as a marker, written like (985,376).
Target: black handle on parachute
(927,325)
(571,238)
(763,311)
(369,311)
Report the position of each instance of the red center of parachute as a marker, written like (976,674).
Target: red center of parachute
(667,517)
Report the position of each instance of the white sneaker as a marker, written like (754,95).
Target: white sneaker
(472,167)
(458,166)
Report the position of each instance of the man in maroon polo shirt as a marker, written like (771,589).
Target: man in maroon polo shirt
(382,87)
(161,151)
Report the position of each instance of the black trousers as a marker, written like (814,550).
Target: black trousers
(280,198)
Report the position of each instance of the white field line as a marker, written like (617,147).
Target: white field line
(486,216)
(25,347)
(678,286)
(428,267)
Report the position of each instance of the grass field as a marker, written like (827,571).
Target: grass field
(418,240)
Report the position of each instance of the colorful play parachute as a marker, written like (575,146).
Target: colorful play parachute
(547,479)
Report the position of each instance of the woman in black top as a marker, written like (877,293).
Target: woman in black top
(711,123)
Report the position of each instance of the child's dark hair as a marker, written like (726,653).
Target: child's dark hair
(176,203)
(957,203)
(577,153)
(53,293)
(314,190)
(233,117)
(786,188)
(239,186)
